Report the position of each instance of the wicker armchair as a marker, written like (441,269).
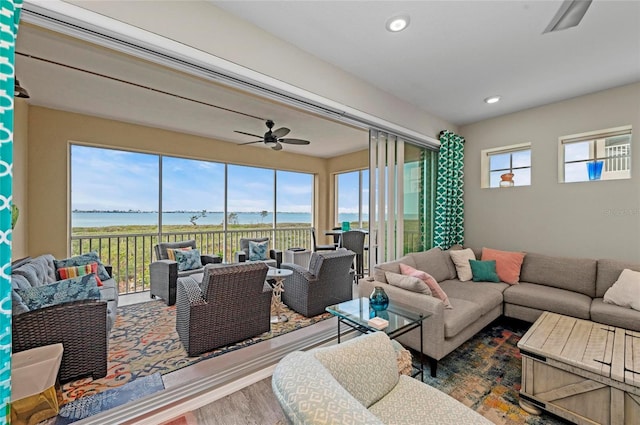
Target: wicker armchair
(81,327)
(232,303)
(327,281)
(242,256)
(164,272)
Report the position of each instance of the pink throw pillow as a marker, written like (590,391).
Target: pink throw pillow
(436,290)
(508,264)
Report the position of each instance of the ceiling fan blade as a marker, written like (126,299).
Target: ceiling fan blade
(248,134)
(569,15)
(249,143)
(281,132)
(277,147)
(294,141)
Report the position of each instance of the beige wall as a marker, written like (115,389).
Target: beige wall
(50,132)
(20,233)
(341,164)
(589,219)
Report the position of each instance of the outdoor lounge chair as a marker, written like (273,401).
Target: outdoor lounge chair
(231,304)
(273,259)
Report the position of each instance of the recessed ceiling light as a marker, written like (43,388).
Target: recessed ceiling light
(397,23)
(492,99)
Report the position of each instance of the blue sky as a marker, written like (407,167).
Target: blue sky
(129,181)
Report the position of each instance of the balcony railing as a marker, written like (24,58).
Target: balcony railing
(130,254)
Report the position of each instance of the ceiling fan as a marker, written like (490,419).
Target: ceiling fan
(569,15)
(274,138)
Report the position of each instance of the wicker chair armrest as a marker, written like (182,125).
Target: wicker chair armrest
(210,259)
(300,272)
(190,290)
(164,265)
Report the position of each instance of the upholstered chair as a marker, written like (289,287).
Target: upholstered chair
(271,257)
(165,271)
(327,281)
(231,304)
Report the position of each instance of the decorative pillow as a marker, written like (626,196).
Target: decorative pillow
(410,283)
(625,291)
(77,288)
(508,264)
(484,271)
(461,260)
(81,260)
(188,260)
(171,252)
(436,290)
(258,250)
(75,271)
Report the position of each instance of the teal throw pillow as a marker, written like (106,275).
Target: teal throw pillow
(77,288)
(258,250)
(84,259)
(188,260)
(484,271)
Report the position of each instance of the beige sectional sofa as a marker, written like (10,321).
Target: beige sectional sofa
(569,286)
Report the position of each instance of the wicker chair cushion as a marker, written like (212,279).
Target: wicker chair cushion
(188,260)
(244,243)
(77,288)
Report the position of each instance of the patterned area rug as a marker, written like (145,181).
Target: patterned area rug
(144,341)
(485,374)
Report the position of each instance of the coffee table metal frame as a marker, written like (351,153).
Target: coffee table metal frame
(356,313)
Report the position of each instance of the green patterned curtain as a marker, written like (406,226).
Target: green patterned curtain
(449,212)
(9,17)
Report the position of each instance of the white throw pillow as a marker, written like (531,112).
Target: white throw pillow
(625,292)
(409,283)
(461,259)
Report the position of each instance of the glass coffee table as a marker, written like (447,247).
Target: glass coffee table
(356,314)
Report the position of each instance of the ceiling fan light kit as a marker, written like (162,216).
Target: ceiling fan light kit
(274,138)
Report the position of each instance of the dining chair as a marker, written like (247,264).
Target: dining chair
(317,247)
(353,240)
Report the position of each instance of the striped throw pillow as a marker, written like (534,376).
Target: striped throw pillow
(70,272)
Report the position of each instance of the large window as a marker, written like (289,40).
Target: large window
(352,198)
(599,155)
(506,164)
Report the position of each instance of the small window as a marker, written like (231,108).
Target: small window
(506,166)
(598,155)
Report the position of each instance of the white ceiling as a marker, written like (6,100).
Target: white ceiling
(452,56)
(456,53)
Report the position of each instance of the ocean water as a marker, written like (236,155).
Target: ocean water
(103,219)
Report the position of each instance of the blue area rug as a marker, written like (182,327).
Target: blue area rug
(91,405)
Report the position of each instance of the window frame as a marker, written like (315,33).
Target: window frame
(485,162)
(590,136)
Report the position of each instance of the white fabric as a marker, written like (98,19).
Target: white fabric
(409,283)
(625,292)
(461,260)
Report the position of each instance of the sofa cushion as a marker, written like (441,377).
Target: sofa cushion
(390,266)
(433,261)
(614,315)
(549,298)
(436,290)
(75,271)
(608,273)
(411,402)
(410,283)
(460,317)
(352,363)
(461,260)
(30,274)
(188,260)
(81,260)
(484,271)
(573,274)
(78,288)
(487,295)
(625,292)
(508,264)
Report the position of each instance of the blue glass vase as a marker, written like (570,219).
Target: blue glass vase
(594,169)
(378,300)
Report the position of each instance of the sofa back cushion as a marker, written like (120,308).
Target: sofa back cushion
(609,271)
(365,366)
(573,274)
(435,262)
(379,270)
(37,271)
